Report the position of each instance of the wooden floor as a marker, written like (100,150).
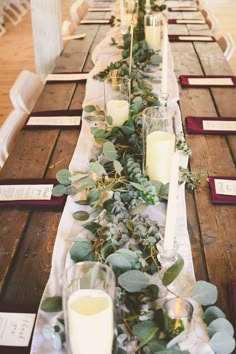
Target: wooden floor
(16,47)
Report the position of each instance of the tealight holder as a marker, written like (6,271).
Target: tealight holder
(153,30)
(177,314)
(166,257)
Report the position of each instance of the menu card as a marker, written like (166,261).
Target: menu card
(60,118)
(29,192)
(211,125)
(223,189)
(99,9)
(188,38)
(16,328)
(207,81)
(96,21)
(73,77)
(183,8)
(186,21)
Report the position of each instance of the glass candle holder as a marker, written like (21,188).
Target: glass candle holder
(117,98)
(153,27)
(177,316)
(88,290)
(158,142)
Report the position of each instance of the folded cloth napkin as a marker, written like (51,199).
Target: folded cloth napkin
(103,21)
(189,38)
(211,125)
(54,202)
(187,21)
(66,77)
(183,8)
(58,119)
(225,184)
(207,81)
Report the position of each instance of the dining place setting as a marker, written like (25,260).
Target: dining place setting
(123,141)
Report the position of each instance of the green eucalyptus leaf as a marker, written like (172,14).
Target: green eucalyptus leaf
(220,325)
(100,133)
(82,202)
(205,293)
(130,256)
(164,191)
(138,103)
(138,186)
(148,337)
(109,120)
(157,185)
(212,313)
(138,209)
(107,250)
(63,176)
(156,59)
(117,166)
(71,190)
(52,304)
(141,329)
(59,190)
(89,108)
(81,215)
(80,250)
(78,176)
(97,168)
(222,343)
(127,130)
(94,118)
(109,151)
(118,262)
(93,195)
(100,141)
(133,281)
(92,226)
(171,273)
(108,204)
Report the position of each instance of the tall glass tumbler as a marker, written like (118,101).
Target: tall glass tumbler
(88,290)
(117,98)
(158,142)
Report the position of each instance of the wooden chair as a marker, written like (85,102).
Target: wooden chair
(227,44)
(25,91)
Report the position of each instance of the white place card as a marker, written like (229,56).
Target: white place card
(16,328)
(225,186)
(54,121)
(67,77)
(226,125)
(211,81)
(184,8)
(75,36)
(26,192)
(191,21)
(99,9)
(95,21)
(196,38)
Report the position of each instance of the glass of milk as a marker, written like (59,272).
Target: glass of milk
(117,98)
(153,30)
(158,142)
(88,290)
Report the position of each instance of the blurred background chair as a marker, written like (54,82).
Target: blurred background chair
(213,23)
(227,44)
(25,91)
(68,28)
(78,10)
(8,133)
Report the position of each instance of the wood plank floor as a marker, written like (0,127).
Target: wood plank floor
(16,47)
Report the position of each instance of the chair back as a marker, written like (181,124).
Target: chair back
(78,10)
(227,44)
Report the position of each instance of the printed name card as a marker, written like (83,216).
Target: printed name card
(207,81)
(188,38)
(16,328)
(223,189)
(74,77)
(211,125)
(96,21)
(187,21)
(183,8)
(26,192)
(54,121)
(35,192)
(99,9)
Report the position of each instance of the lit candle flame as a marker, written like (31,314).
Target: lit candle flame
(177,312)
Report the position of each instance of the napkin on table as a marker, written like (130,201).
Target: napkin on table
(207,81)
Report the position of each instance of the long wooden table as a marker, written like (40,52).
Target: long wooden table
(27,235)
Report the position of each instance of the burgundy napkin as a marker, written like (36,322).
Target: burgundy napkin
(233,297)
(186,21)
(220,198)
(184,80)
(190,38)
(182,8)
(59,113)
(103,21)
(195,125)
(54,202)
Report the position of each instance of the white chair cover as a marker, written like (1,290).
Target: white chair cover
(227,44)
(78,10)
(8,132)
(25,91)
(68,28)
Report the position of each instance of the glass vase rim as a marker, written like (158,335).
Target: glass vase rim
(187,302)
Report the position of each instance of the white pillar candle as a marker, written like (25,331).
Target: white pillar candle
(164,80)
(90,321)
(172,204)
(153,37)
(118,110)
(159,150)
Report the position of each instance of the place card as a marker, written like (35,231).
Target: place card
(54,119)
(99,9)
(74,36)
(29,192)
(96,21)
(223,189)
(73,77)
(186,21)
(183,8)
(16,328)
(207,81)
(188,38)
(211,125)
